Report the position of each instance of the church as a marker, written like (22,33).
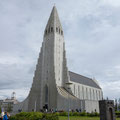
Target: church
(54,86)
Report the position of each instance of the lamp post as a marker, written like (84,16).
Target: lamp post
(68,85)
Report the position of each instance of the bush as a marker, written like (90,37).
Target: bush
(76,113)
(117,114)
(93,114)
(34,116)
(57,113)
(63,113)
(51,116)
(97,114)
(27,116)
(83,114)
(12,118)
(70,113)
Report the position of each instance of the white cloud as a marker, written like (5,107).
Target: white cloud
(115,3)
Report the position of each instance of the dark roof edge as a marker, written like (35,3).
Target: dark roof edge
(86,77)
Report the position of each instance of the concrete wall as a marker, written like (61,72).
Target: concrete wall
(21,106)
(91,106)
(85,92)
(75,103)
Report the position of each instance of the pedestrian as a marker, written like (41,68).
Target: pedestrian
(5,117)
(0,117)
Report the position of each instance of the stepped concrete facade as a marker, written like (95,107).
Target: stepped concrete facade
(49,89)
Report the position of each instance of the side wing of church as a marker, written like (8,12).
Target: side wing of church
(49,89)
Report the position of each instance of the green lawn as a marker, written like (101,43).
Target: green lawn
(80,118)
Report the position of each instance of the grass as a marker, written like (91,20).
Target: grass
(80,118)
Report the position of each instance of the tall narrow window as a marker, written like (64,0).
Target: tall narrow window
(46,94)
(96,95)
(99,95)
(74,89)
(86,93)
(61,32)
(51,29)
(93,95)
(90,94)
(78,91)
(83,91)
(56,29)
(46,32)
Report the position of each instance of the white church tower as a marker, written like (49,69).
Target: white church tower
(51,70)
(49,88)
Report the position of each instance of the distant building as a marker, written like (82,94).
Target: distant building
(7,104)
(49,89)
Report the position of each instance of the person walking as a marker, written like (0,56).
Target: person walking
(5,117)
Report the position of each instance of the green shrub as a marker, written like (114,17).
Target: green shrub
(93,114)
(83,114)
(63,113)
(12,118)
(97,114)
(57,113)
(117,114)
(35,116)
(50,116)
(70,113)
(76,113)
(27,116)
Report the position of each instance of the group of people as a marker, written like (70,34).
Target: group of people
(4,116)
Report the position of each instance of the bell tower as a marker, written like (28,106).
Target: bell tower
(51,70)
(54,45)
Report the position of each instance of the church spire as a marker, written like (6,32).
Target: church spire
(54,23)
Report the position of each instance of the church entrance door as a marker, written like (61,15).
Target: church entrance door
(46,98)
(110,114)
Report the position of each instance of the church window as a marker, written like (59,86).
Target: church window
(46,32)
(46,94)
(86,94)
(96,95)
(78,91)
(99,95)
(74,89)
(56,29)
(51,29)
(90,94)
(93,95)
(61,32)
(83,91)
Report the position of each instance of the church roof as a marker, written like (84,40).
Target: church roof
(83,80)
(54,20)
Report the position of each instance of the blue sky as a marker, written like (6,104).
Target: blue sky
(92,39)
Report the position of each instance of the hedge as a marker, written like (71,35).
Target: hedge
(34,116)
(48,116)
